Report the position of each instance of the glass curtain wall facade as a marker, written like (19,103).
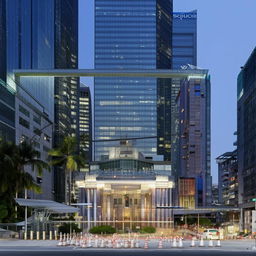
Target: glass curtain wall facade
(195,136)
(184,39)
(129,35)
(7,97)
(246,139)
(184,51)
(44,35)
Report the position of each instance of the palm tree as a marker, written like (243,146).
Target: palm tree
(66,157)
(28,156)
(13,176)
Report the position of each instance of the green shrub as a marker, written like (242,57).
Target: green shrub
(65,228)
(148,230)
(104,229)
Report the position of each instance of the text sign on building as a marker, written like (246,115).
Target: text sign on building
(253,221)
(184,15)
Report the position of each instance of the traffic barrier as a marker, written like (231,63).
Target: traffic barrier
(193,244)
(174,243)
(118,245)
(132,243)
(201,244)
(218,244)
(160,244)
(83,242)
(102,243)
(126,244)
(109,243)
(89,244)
(64,242)
(137,244)
(146,244)
(210,243)
(180,245)
(60,243)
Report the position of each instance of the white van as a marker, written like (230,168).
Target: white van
(211,234)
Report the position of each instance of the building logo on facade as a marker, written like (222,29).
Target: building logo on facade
(184,15)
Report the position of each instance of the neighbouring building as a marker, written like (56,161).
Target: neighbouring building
(127,191)
(246,140)
(184,53)
(44,35)
(133,35)
(195,135)
(184,39)
(228,178)
(34,125)
(85,123)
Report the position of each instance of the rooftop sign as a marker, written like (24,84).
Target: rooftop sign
(184,15)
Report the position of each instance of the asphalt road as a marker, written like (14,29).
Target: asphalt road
(45,252)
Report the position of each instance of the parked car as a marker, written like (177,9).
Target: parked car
(211,234)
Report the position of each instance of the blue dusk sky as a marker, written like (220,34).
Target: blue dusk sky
(226,37)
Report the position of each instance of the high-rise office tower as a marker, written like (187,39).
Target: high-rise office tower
(43,35)
(246,139)
(184,39)
(195,137)
(184,52)
(7,97)
(132,35)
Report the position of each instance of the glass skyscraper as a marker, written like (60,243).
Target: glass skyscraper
(184,39)
(7,98)
(132,34)
(246,139)
(44,35)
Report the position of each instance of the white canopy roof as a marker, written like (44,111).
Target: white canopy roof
(50,206)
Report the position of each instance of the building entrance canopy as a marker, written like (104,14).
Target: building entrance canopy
(46,205)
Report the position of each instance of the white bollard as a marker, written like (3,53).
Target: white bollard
(174,242)
(50,235)
(43,235)
(31,235)
(25,236)
(218,244)
(193,244)
(210,243)
(37,235)
(55,235)
(160,244)
(96,243)
(201,244)
(60,243)
(64,241)
(180,245)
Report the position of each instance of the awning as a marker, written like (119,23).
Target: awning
(50,206)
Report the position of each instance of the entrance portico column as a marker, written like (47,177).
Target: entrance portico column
(143,207)
(108,207)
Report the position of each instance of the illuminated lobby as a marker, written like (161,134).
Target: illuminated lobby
(127,190)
